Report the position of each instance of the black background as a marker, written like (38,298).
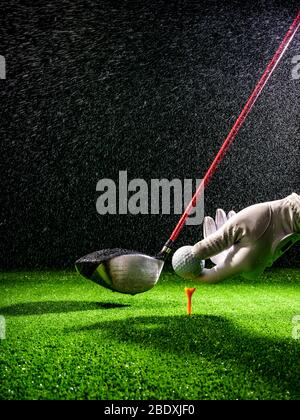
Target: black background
(151,87)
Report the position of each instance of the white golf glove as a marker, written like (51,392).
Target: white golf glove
(249,241)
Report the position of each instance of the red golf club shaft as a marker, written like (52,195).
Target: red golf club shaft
(236,127)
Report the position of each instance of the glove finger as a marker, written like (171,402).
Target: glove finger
(215,243)
(233,264)
(231,214)
(221,218)
(209,226)
(218,259)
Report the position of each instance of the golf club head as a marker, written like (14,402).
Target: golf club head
(120,270)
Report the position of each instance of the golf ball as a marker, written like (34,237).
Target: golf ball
(186,264)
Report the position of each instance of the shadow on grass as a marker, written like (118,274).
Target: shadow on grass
(54,307)
(258,359)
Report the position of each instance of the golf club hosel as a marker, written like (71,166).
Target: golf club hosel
(166,250)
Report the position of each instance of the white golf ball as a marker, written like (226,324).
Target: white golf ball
(186,264)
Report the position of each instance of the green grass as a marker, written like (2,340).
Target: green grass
(67,338)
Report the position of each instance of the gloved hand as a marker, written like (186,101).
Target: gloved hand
(249,241)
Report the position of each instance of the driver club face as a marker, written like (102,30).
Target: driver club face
(122,271)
